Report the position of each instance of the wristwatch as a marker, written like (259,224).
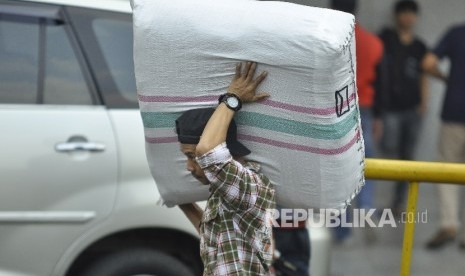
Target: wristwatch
(232,101)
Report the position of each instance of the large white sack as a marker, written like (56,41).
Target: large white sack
(307,136)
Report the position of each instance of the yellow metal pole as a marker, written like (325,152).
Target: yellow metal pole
(409,229)
(433,172)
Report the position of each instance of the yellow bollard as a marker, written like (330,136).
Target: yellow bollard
(409,230)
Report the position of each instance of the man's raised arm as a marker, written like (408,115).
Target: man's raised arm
(244,87)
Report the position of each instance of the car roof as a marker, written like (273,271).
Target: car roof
(109,5)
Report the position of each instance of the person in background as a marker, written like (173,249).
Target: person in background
(369,55)
(452,134)
(406,96)
(235,228)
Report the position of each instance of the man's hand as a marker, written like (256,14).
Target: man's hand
(244,86)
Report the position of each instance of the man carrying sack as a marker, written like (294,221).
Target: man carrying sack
(235,231)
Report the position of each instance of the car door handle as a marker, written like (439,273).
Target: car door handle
(79,146)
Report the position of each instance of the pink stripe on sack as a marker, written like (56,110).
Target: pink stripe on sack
(176,99)
(285,106)
(279,144)
(303,109)
(261,140)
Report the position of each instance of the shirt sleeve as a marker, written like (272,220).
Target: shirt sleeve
(443,48)
(236,184)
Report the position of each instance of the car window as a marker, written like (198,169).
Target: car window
(64,81)
(19,61)
(115,40)
(107,38)
(38,64)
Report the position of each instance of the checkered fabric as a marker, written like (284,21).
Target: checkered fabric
(235,230)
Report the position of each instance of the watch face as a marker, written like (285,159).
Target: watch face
(233,102)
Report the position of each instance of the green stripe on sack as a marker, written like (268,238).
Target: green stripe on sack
(253,119)
(159,119)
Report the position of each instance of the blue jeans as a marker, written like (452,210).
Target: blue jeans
(364,200)
(401,129)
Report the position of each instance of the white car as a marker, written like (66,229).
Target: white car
(76,194)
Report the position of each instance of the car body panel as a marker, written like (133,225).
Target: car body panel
(50,195)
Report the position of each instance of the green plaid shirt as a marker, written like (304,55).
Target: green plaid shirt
(235,232)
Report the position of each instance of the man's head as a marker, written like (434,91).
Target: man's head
(349,6)
(190,126)
(406,13)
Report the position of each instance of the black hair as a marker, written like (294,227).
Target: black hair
(406,6)
(349,6)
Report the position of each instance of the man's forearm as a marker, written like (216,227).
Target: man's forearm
(431,66)
(435,72)
(194,213)
(216,130)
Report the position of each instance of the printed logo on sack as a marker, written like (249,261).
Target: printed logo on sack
(342,101)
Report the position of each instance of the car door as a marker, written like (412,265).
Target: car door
(58,159)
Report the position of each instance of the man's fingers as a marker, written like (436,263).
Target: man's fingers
(251,71)
(238,70)
(260,78)
(247,68)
